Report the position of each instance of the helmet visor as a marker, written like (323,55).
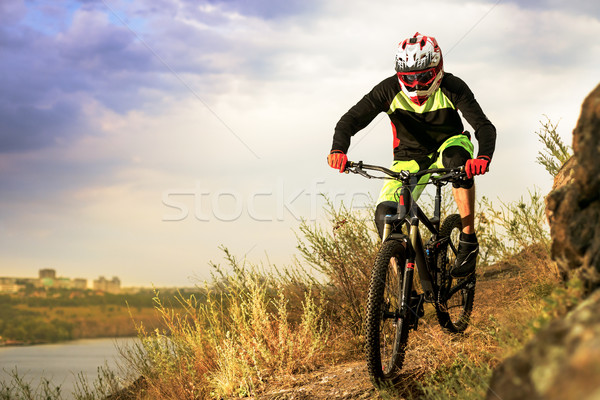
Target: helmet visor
(418,78)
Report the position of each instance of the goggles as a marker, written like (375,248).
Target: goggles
(418,78)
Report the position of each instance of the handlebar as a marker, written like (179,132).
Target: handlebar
(448,174)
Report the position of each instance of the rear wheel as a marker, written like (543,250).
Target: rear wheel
(386,332)
(456,296)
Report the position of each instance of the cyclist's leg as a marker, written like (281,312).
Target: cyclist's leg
(455,154)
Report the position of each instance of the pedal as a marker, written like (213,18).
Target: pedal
(470,281)
(470,284)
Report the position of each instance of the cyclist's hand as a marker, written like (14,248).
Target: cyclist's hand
(477,166)
(337,159)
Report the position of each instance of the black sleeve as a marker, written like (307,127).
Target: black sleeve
(360,115)
(485,131)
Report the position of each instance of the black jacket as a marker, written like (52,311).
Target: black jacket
(419,130)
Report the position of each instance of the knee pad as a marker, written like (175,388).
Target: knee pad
(384,208)
(454,157)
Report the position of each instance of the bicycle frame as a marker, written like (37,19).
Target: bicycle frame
(409,213)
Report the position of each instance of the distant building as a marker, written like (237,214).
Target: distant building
(48,280)
(47,273)
(35,282)
(104,285)
(9,285)
(79,283)
(63,283)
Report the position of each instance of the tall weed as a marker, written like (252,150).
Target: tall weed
(343,252)
(18,387)
(555,152)
(511,227)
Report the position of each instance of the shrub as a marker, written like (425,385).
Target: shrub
(343,253)
(510,228)
(555,152)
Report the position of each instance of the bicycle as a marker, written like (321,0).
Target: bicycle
(393,305)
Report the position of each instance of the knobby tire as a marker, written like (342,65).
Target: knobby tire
(453,311)
(386,333)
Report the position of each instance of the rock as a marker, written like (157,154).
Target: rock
(562,187)
(562,362)
(573,207)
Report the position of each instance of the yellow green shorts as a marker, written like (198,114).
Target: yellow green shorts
(390,190)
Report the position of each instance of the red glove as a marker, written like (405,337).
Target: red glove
(477,166)
(337,159)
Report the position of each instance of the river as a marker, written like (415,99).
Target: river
(60,363)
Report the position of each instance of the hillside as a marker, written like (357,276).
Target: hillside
(514,299)
(509,296)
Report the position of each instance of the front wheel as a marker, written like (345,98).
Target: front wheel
(385,330)
(455,298)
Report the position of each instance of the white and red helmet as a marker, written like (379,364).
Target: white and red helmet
(419,66)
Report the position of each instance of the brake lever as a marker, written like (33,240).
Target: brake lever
(356,168)
(360,171)
(460,174)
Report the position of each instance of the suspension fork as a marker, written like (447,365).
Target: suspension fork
(407,284)
(412,306)
(422,267)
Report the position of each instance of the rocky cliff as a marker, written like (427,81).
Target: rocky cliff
(563,360)
(573,208)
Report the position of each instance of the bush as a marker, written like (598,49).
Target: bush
(344,254)
(510,228)
(555,153)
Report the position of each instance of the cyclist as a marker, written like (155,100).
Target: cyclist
(422,102)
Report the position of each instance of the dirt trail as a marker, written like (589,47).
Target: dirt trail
(343,381)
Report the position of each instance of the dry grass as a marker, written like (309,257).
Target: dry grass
(232,344)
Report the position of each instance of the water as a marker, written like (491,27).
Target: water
(60,363)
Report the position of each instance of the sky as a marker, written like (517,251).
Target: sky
(137,137)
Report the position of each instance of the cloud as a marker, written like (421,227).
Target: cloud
(264,9)
(528,38)
(28,127)
(12,10)
(576,7)
(47,81)
(48,76)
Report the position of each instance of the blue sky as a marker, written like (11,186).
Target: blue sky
(138,136)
